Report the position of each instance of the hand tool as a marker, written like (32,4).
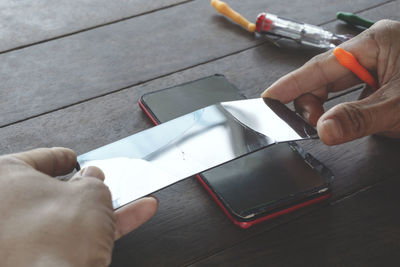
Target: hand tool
(272,25)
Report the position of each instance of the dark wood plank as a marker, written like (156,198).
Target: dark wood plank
(25,22)
(388,11)
(362,230)
(55,74)
(188,220)
(205,231)
(189,226)
(117,115)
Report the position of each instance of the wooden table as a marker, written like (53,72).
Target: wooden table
(72,71)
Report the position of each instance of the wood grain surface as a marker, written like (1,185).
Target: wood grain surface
(58,73)
(25,22)
(72,73)
(363,231)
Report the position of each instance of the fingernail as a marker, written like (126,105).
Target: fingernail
(156,199)
(332,130)
(306,115)
(153,197)
(264,94)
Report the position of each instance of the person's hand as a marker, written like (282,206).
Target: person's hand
(48,222)
(378,50)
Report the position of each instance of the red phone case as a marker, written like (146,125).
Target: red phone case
(242,224)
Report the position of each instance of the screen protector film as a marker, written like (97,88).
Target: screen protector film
(195,142)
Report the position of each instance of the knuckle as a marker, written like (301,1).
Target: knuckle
(396,125)
(320,57)
(319,64)
(381,23)
(296,84)
(8,161)
(92,183)
(76,180)
(386,104)
(394,110)
(93,188)
(384,26)
(93,192)
(384,29)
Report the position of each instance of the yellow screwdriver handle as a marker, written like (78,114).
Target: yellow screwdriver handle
(224,9)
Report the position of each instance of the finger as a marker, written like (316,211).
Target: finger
(318,72)
(310,107)
(352,120)
(340,84)
(90,171)
(134,214)
(52,161)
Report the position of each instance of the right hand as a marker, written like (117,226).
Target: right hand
(378,50)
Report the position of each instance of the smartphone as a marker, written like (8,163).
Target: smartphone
(254,188)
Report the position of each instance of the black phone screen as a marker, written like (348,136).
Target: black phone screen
(251,186)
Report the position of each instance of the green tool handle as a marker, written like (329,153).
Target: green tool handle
(354,19)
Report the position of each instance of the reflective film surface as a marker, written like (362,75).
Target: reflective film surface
(155,158)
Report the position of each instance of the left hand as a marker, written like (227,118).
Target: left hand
(48,222)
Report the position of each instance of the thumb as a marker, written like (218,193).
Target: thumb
(90,171)
(352,120)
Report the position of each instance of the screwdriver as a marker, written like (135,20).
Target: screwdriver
(270,24)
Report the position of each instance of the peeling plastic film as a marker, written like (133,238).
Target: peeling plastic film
(165,154)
